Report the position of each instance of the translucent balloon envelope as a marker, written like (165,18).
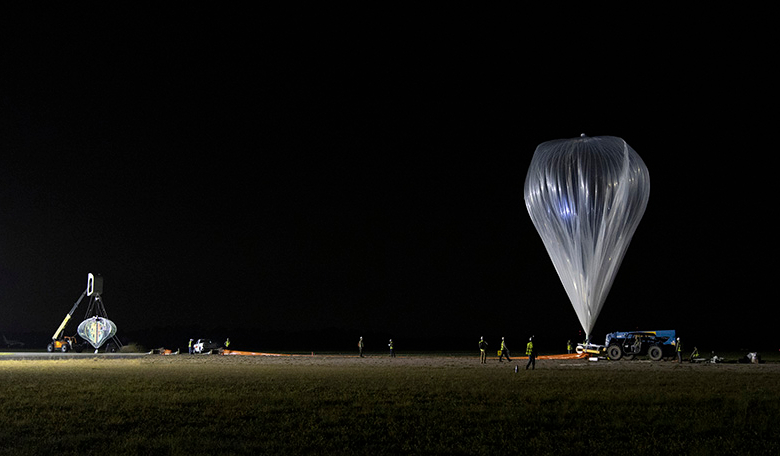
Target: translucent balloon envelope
(586,197)
(97,330)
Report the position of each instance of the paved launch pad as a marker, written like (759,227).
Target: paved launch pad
(69,355)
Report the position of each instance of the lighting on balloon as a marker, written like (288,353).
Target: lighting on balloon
(97,330)
(586,197)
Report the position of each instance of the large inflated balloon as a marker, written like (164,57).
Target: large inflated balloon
(586,197)
(97,330)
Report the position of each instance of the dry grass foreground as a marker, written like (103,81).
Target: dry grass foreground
(377,405)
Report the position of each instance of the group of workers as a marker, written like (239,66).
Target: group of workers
(530,351)
(389,345)
(503,352)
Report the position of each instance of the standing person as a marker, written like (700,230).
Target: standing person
(482,347)
(190,346)
(679,350)
(569,347)
(392,352)
(227,343)
(504,351)
(360,347)
(530,350)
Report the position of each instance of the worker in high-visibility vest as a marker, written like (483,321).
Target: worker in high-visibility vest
(227,343)
(190,346)
(482,354)
(679,350)
(530,350)
(392,351)
(569,346)
(504,351)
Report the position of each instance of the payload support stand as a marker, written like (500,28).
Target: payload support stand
(95,308)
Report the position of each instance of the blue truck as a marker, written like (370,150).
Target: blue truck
(630,344)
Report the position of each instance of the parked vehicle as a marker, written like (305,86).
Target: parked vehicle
(630,344)
(205,346)
(65,344)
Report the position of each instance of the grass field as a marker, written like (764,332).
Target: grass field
(340,405)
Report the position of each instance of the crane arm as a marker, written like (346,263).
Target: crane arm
(67,317)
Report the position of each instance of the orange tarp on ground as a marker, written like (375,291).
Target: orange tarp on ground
(246,353)
(564,356)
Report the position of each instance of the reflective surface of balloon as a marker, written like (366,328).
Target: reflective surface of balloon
(586,197)
(97,330)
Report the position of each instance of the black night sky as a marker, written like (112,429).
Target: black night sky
(231,178)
